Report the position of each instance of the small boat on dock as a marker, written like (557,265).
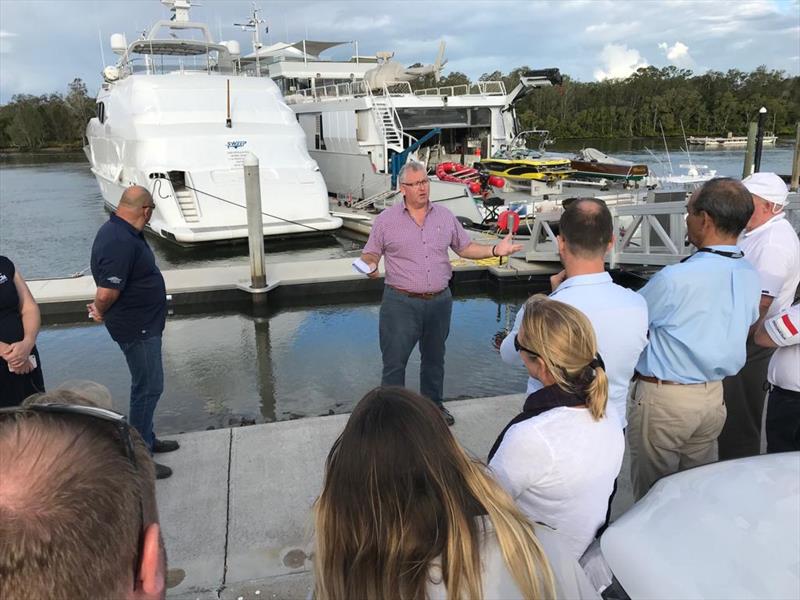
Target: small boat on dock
(524,160)
(590,163)
(729,141)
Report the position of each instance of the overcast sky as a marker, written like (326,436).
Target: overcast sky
(44,44)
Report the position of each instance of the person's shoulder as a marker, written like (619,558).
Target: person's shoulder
(7,267)
(628,296)
(782,230)
(528,433)
(113,238)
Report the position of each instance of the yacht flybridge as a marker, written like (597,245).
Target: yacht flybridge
(177,116)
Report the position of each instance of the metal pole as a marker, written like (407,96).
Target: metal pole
(255,226)
(796,162)
(747,169)
(762,113)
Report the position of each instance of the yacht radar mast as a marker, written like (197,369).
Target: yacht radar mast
(179,8)
(252,25)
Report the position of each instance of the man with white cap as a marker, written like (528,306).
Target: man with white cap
(771,245)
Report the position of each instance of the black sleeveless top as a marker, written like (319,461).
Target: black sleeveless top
(10,320)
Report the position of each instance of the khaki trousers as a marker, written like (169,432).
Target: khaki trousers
(671,428)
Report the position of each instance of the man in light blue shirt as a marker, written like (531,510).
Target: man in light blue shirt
(618,315)
(700,313)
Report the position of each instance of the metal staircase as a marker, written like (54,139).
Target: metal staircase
(188,205)
(379,200)
(388,122)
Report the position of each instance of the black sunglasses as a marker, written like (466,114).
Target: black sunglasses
(122,428)
(518,347)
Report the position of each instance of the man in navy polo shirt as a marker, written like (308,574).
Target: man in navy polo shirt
(131,300)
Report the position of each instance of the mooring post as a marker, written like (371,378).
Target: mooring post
(795,182)
(747,169)
(255,225)
(762,113)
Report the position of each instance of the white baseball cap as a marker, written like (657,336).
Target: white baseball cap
(767,186)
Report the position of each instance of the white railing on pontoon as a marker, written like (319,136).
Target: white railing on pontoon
(648,233)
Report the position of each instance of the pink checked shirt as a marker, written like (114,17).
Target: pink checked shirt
(416,257)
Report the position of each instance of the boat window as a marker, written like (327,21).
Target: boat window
(480,117)
(101,112)
(319,140)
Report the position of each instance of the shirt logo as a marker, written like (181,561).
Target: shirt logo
(236,144)
(3,278)
(114,280)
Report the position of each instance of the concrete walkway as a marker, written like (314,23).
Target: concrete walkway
(236,513)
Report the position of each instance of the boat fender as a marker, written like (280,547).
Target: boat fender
(496,181)
(508,220)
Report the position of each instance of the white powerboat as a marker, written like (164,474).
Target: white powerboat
(177,116)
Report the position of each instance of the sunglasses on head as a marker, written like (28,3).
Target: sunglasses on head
(123,438)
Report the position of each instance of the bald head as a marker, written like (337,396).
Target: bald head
(586,227)
(135,197)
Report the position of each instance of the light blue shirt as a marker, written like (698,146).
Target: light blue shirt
(700,311)
(619,318)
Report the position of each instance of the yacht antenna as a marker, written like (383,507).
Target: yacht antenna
(102,52)
(252,25)
(686,144)
(664,137)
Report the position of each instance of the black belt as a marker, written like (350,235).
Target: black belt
(791,393)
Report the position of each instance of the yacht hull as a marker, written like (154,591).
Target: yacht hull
(167,133)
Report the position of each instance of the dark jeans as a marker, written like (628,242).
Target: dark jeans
(745,393)
(147,383)
(783,420)
(406,321)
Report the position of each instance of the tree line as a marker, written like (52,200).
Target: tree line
(639,106)
(50,120)
(713,103)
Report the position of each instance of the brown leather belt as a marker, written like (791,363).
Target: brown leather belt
(656,380)
(420,295)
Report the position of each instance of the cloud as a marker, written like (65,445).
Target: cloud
(610,32)
(619,62)
(677,54)
(6,43)
(359,23)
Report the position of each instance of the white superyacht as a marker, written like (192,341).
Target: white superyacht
(177,115)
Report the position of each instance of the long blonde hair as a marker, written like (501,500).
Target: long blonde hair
(399,493)
(564,339)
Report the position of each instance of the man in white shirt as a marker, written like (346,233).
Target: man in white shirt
(618,315)
(783,407)
(771,245)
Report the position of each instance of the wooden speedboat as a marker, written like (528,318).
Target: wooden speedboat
(592,164)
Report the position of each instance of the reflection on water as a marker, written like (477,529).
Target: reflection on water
(232,368)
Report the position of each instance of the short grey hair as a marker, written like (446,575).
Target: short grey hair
(412,166)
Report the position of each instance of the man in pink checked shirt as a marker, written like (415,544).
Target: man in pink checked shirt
(413,236)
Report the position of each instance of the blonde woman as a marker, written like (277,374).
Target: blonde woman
(558,459)
(406,514)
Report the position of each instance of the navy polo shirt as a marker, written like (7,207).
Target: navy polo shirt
(122,260)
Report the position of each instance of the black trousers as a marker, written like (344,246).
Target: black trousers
(745,393)
(783,420)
